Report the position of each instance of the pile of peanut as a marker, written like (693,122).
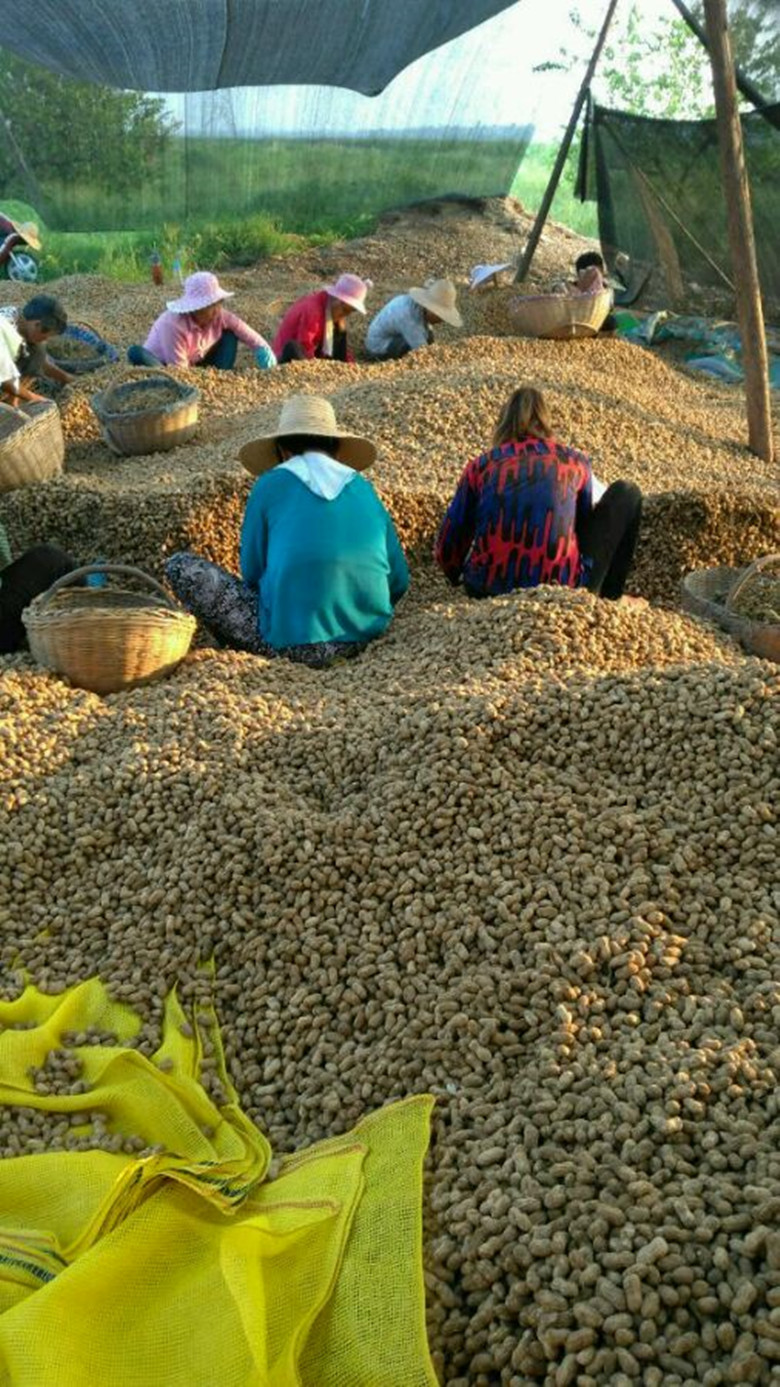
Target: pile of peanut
(522,854)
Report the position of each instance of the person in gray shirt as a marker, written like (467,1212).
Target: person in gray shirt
(406,322)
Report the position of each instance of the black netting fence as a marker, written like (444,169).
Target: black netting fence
(660,195)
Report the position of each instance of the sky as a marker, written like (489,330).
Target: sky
(483,79)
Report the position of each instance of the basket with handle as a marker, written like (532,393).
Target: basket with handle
(147,427)
(560,315)
(713,593)
(762,633)
(102,354)
(32,448)
(107,639)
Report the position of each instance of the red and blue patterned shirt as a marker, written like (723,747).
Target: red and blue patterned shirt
(513,520)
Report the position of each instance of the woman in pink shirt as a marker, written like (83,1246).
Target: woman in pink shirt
(197,331)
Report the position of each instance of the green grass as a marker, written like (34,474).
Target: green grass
(530,183)
(272,194)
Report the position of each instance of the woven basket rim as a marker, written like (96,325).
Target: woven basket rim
(24,436)
(59,612)
(79,330)
(521,299)
(187,395)
(559,315)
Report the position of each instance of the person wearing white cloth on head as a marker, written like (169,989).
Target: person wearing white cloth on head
(322,568)
(406,322)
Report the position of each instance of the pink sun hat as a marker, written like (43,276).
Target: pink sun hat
(352,290)
(200,291)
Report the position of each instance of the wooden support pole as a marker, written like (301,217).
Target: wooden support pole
(546,203)
(736,191)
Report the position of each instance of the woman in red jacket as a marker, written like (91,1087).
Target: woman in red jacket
(316,325)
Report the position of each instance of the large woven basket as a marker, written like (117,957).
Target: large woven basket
(711,593)
(560,315)
(147,429)
(107,639)
(32,448)
(102,353)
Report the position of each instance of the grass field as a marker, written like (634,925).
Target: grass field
(237,201)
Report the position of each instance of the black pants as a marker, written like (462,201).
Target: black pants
(23,580)
(608,536)
(293,351)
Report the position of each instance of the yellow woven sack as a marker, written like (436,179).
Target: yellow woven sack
(186,1267)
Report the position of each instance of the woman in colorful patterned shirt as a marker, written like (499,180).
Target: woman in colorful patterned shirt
(523,514)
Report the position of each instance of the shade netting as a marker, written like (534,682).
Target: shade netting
(660,198)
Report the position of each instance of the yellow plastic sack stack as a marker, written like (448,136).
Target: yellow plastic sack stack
(186,1266)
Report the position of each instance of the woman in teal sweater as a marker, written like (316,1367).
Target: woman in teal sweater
(321,564)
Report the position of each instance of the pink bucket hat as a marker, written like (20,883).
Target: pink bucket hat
(200,291)
(352,290)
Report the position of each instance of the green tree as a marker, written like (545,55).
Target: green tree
(660,68)
(67,131)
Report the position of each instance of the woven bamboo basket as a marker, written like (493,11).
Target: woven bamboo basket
(107,639)
(102,355)
(712,592)
(32,448)
(147,430)
(560,315)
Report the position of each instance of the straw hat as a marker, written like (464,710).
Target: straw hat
(306,414)
(351,289)
(483,275)
(201,290)
(439,297)
(28,232)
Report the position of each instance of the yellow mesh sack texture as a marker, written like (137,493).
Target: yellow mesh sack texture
(186,1267)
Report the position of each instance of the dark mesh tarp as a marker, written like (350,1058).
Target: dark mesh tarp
(86,157)
(660,196)
(198,45)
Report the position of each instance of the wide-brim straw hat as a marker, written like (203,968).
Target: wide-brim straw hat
(201,290)
(439,297)
(313,415)
(29,233)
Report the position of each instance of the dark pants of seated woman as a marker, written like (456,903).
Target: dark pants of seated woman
(607,538)
(222,356)
(20,582)
(293,351)
(228,607)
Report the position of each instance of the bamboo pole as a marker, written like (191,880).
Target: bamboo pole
(557,170)
(736,189)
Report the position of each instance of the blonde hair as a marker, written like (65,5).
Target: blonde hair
(524,413)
